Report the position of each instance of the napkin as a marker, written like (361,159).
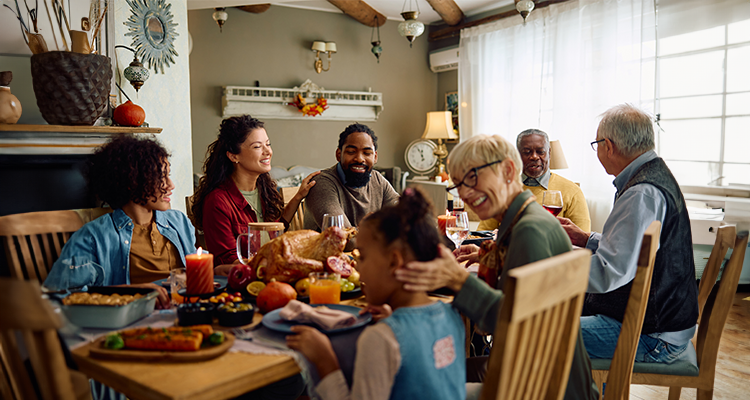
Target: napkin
(322,316)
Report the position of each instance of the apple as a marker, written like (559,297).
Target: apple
(240,275)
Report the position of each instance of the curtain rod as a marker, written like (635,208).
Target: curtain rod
(452,31)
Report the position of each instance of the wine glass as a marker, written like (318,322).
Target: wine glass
(552,201)
(330,220)
(457,228)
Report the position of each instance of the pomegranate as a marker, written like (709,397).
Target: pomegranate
(129,114)
(275,295)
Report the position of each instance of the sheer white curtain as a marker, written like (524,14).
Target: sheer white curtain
(557,72)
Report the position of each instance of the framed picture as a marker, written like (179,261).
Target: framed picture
(451,104)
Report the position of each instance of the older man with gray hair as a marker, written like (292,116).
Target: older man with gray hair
(646,191)
(534,147)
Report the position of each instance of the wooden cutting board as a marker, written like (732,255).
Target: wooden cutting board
(97,350)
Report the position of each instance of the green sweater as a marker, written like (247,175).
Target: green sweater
(537,235)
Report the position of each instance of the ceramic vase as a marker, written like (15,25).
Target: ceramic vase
(10,107)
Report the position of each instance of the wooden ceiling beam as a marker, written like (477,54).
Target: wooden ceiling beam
(255,8)
(452,31)
(360,11)
(448,11)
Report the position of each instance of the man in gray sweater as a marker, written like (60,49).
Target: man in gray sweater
(350,187)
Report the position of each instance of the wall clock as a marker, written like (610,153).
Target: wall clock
(420,157)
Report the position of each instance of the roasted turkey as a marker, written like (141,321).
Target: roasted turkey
(293,255)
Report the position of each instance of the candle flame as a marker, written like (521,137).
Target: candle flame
(447,212)
(200,251)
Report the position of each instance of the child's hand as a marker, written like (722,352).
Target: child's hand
(316,347)
(378,312)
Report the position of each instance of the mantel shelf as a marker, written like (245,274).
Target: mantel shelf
(26,139)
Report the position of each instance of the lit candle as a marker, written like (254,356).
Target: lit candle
(443,221)
(199,268)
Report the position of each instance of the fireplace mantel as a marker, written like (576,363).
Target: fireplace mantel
(59,139)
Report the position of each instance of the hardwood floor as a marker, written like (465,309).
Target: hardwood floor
(732,367)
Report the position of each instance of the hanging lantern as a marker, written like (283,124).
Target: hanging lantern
(410,28)
(136,73)
(220,16)
(524,7)
(376,48)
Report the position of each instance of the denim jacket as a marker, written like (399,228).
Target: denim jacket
(99,253)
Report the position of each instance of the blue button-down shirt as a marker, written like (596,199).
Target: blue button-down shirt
(614,262)
(99,253)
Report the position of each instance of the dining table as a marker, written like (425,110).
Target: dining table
(226,376)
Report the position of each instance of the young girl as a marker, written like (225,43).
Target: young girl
(417,351)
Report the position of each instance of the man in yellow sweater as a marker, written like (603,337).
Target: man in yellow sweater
(533,145)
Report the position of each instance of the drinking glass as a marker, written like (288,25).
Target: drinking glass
(457,228)
(330,220)
(325,288)
(552,201)
(177,281)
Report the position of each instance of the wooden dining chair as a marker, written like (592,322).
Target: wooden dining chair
(698,368)
(537,328)
(28,322)
(298,221)
(618,371)
(725,237)
(33,241)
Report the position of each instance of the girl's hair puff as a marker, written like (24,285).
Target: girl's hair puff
(410,221)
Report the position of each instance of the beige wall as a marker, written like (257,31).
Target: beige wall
(446,82)
(274,49)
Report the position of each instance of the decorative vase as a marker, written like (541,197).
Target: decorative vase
(71,88)
(10,107)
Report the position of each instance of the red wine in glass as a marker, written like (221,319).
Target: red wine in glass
(555,210)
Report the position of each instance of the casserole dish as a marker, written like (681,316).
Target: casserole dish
(111,317)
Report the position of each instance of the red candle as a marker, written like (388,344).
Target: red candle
(443,220)
(199,269)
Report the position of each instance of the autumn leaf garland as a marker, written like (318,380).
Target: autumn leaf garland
(309,110)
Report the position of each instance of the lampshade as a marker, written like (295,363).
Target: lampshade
(439,126)
(319,46)
(557,157)
(331,46)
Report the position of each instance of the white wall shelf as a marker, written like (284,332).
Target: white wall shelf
(273,103)
(59,139)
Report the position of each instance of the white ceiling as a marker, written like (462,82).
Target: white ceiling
(390,8)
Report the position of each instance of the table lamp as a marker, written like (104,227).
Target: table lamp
(557,157)
(439,126)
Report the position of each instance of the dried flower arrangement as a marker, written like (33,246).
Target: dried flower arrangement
(309,110)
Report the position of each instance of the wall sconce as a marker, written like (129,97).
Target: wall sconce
(135,73)
(324,47)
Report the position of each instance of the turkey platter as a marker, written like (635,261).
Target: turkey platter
(293,255)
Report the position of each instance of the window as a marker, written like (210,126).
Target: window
(703,100)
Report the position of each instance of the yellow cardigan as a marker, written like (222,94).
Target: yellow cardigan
(574,204)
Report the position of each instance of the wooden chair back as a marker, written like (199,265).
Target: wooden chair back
(725,237)
(537,328)
(298,222)
(29,322)
(33,241)
(710,328)
(200,238)
(621,368)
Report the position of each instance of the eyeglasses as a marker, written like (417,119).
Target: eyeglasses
(470,179)
(595,143)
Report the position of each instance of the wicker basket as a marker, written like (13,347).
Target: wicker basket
(71,88)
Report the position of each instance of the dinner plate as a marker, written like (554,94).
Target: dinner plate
(273,320)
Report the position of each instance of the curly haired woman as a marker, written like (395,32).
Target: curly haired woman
(143,239)
(237,188)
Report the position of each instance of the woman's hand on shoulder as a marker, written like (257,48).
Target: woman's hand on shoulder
(443,271)
(307,183)
(378,312)
(316,346)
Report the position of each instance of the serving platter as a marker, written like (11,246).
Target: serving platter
(97,350)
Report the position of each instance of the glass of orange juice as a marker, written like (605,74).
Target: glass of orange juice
(325,288)
(177,281)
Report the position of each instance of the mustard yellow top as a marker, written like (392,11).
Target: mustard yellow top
(574,204)
(152,256)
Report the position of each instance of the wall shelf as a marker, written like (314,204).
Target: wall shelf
(59,139)
(273,103)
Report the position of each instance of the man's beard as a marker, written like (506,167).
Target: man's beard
(357,179)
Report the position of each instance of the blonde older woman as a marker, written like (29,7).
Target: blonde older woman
(486,170)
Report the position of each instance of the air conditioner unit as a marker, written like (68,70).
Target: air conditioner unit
(444,59)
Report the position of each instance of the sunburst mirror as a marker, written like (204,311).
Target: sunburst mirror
(153,32)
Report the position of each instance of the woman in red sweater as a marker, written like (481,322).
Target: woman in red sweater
(237,188)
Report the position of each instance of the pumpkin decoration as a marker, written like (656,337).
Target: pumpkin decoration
(129,114)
